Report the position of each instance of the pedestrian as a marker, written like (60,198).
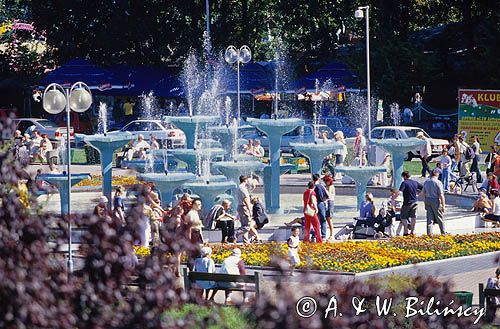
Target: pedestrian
(101,209)
(153,143)
(367,209)
(259,214)
(258,149)
(492,182)
(293,243)
(138,149)
(119,207)
(341,153)
(195,234)
(244,210)
(394,210)
(128,110)
(360,148)
(496,165)
(465,161)
(476,147)
(310,211)
(454,153)
(322,198)
(234,265)
(219,217)
(494,215)
(205,264)
(490,159)
(409,188)
(433,196)
(483,204)
(330,188)
(492,303)
(425,153)
(445,161)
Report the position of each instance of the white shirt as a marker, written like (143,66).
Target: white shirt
(425,149)
(445,161)
(496,205)
(141,145)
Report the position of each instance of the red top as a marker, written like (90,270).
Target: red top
(493,184)
(308,194)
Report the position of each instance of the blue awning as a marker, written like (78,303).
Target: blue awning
(336,72)
(79,69)
(253,77)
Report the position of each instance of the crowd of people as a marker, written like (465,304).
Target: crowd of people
(27,149)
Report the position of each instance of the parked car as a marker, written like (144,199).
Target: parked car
(337,123)
(302,134)
(81,122)
(164,132)
(44,126)
(403,132)
(444,129)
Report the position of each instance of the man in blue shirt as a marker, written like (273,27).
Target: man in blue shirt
(410,189)
(322,197)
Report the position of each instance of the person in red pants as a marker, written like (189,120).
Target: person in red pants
(311,213)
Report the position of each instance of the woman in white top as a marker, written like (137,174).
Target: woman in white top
(475,161)
(494,215)
(340,154)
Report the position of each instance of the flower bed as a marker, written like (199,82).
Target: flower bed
(361,256)
(96,180)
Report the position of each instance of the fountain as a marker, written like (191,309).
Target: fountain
(361,176)
(275,129)
(208,191)
(61,182)
(167,183)
(234,169)
(316,152)
(398,148)
(191,157)
(190,124)
(106,144)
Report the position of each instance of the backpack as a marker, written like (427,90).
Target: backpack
(469,153)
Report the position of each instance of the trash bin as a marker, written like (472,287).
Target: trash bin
(464,297)
(92,155)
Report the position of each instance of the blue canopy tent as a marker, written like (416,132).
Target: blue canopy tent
(253,77)
(78,69)
(161,81)
(336,72)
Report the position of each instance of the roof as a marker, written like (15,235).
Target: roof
(337,73)
(79,69)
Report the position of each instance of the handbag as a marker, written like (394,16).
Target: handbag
(309,210)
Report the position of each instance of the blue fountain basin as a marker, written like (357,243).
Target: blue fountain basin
(195,119)
(109,142)
(233,170)
(172,179)
(60,179)
(398,145)
(316,151)
(273,127)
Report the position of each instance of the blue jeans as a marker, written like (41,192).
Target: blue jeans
(322,218)
(326,162)
(454,165)
(445,178)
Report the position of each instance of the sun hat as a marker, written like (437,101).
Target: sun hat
(103,199)
(206,251)
(236,252)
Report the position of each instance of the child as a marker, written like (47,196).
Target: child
(293,249)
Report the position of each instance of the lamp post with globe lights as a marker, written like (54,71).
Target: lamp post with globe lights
(55,100)
(359,14)
(242,55)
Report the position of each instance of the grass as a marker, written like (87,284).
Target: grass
(225,317)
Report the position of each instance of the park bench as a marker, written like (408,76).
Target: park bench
(254,280)
(484,294)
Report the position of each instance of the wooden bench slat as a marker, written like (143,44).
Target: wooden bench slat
(202,276)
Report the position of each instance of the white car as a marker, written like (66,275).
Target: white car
(403,132)
(44,126)
(164,132)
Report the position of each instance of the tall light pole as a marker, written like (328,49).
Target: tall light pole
(242,55)
(360,14)
(209,42)
(56,99)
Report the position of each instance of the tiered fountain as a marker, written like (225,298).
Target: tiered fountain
(274,129)
(106,143)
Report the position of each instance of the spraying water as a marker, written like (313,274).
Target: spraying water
(102,126)
(227,111)
(395,114)
(149,106)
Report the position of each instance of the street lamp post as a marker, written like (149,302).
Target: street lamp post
(360,14)
(209,45)
(56,99)
(242,55)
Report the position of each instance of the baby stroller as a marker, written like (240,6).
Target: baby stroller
(366,227)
